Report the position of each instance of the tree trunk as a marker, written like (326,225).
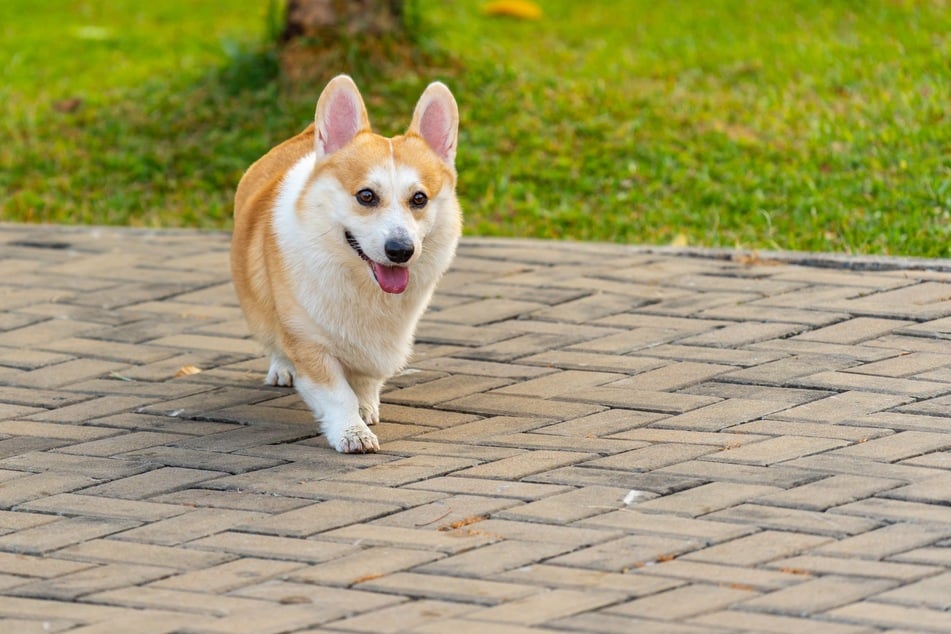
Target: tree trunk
(329,21)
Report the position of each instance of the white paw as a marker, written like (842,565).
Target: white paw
(355,439)
(370,414)
(280,373)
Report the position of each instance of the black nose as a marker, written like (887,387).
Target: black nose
(398,251)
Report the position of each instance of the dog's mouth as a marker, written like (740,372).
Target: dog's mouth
(392,279)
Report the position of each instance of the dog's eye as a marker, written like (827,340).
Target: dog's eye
(418,200)
(367,198)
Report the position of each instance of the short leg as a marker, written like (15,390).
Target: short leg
(367,390)
(322,384)
(281,371)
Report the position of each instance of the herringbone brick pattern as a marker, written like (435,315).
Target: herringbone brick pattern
(590,438)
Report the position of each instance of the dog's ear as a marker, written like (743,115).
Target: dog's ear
(436,119)
(340,115)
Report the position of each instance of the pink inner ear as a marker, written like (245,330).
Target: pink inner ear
(434,127)
(343,121)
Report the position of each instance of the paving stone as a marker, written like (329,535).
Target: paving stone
(843,566)
(831,491)
(892,616)
(363,565)
(705,499)
(752,622)
(760,447)
(55,535)
(682,602)
(448,588)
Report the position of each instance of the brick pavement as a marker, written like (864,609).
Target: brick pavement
(590,438)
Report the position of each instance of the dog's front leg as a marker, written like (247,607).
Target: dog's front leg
(322,383)
(367,389)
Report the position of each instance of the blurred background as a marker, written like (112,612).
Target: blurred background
(806,124)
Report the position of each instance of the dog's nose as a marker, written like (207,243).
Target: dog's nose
(398,251)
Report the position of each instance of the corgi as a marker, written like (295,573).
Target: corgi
(340,236)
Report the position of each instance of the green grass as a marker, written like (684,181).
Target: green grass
(804,125)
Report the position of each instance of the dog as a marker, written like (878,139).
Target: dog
(340,236)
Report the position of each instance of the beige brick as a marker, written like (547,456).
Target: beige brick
(775,450)
(484,429)
(549,576)
(59,534)
(188,526)
(151,483)
(228,576)
(112,551)
(485,311)
(442,390)
(742,334)
(818,595)
(564,382)
(529,531)
(509,405)
(448,588)
(664,402)
(61,374)
(933,592)
(95,579)
(404,617)
(40,485)
(886,541)
(633,521)
(841,407)
(363,564)
(444,513)
(95,506)
(601,424)
(854,330)
(752,622)
(796,520)
(651,457)
(626,553)
(892,616)
(720,574)
(721,415)
(568,507)
(43,567)
(316,518)
(517,467)
(915,363)
(53,430)
(871,383)
(482,486)
(706,498)
(540,608)
(936,490)
(267,547)
(426,539)
(758,548)
(817,430)
(407,470)
(122,443)
(484,562)
(151,597)
(682,602)
(831,491)
(591,361)
(905,444)
(851,566)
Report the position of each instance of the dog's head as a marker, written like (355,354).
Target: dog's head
(383,196)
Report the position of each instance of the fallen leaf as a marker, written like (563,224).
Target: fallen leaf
(464,522)
(187,370)
(680,240)
(513,9)
(369,577)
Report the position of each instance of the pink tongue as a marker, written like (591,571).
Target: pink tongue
(392,279)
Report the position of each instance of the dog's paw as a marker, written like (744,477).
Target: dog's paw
(355,439)
(280,373)
(370,414)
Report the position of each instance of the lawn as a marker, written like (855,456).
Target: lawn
(804,125)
